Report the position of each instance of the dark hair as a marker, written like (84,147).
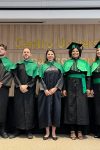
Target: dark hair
(47,53)
(79,49)
(4,46)
(96,57)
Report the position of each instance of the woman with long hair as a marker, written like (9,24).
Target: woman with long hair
(49,101)
(95,71)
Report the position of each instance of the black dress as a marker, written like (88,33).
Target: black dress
(49,107)
(76,104)
(96,88)
(24,102)
(5,78)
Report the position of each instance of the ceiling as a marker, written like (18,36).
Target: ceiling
(50,11)
(50,16)
(49,3)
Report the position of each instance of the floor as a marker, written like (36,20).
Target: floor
(37,143)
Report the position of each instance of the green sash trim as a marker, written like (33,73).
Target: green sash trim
(96,81)
(7,63)
(31,67)
(45,66)
(82,76)
(95,66)
(82,65)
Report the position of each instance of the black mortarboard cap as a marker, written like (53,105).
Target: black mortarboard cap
(97,45)
(74,45)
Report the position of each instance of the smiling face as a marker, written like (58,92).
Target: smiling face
(75,53)
(26,53)
(2,51)
(98,52)
(50,56)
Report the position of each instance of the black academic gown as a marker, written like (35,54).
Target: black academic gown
(24,102)
(96,88)
(49,107)
(5,78)
(76,104)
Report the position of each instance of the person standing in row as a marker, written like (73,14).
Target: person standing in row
(49,99)
(24,96)
(6,67)
(77,86)
(95,71)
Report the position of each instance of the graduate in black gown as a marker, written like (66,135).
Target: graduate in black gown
(24,96)
(6,67)
(49,99)
(95,71)
(77,86)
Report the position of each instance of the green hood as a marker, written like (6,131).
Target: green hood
(95,65)
(82,65)
(45,66)
(7,64)
(31,67)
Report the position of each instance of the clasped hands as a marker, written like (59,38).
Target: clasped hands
(51,91)
(23,88)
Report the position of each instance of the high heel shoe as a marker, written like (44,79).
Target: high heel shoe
(45,137)
(80,135)
(55,138)
(73,135)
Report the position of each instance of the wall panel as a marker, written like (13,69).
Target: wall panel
(41,37)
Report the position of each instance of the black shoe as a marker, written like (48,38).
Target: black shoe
(4,135)
(97,136)
(45,137)
(55,138)
(30,136)
(11,136)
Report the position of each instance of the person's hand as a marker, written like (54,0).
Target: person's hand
(92,93)
(1,84)
(53,90)
(47,93)
(23,88)
(88,92)
(64,93)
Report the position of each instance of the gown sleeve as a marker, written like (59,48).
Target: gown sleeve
(16,79)
(42,85)
(59,84)
(7,79)
(32,82)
